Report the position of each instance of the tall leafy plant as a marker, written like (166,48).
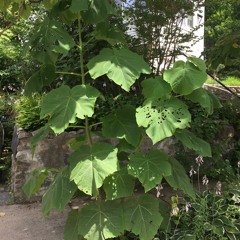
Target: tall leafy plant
(105,171)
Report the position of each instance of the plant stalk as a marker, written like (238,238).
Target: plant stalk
(87,128)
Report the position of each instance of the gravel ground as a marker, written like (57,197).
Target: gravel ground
(25,222)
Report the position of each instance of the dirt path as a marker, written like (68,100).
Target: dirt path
(25,222)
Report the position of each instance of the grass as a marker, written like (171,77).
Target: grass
(229,81)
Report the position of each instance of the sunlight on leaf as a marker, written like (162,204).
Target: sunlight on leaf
(101,220)
(90,165)
(142,216)
(162,117)
(149,167)
(122,66)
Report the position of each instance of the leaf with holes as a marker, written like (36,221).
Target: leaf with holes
(119,184)
(59,193)
(39,79)
(179,179)
(193,142)
(97,11)
(65,104)
(154,88)
(122,124)
(90,165)
(162,117)
(184,78)
(205,98)
(101,220)
(142,217)
(149,167)
(121,65)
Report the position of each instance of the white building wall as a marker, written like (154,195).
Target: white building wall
(195,21)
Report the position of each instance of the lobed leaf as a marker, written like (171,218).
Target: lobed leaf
(90,165)
(110,34)
(119,184)
(101,220)
(65,104)
(179,179)
(142,217)
(121,65)
(149,167)
(198,62)
(193,142)
(162,117)
(184,78)
(39,79)
(59,192)
(97,11)
(35,181)
(155,88)
(205,98)
(122,124)
(78,6)
(71,226)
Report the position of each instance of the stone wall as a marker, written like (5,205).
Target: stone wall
(49,153)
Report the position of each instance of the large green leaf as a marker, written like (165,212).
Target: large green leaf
(122,124)
(109,33)
(4,4)
(40,135)
(48,4)
(91,165)
(79,5)
(163,117)
(198,62)
(65,104)
(101,220)
(35,181)
(184,78)
(179,179)
(98,11)
(59,192)
(39,79)
(121,65)
(205,98)
(49,40)
(193,142)
(154,88)
(71,226)
(142,217)
(149,167)
(119,184)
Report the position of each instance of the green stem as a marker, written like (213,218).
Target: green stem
(95,124)
(81,49)
(87,129)
(70,73)
(88,133)
(198,172)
